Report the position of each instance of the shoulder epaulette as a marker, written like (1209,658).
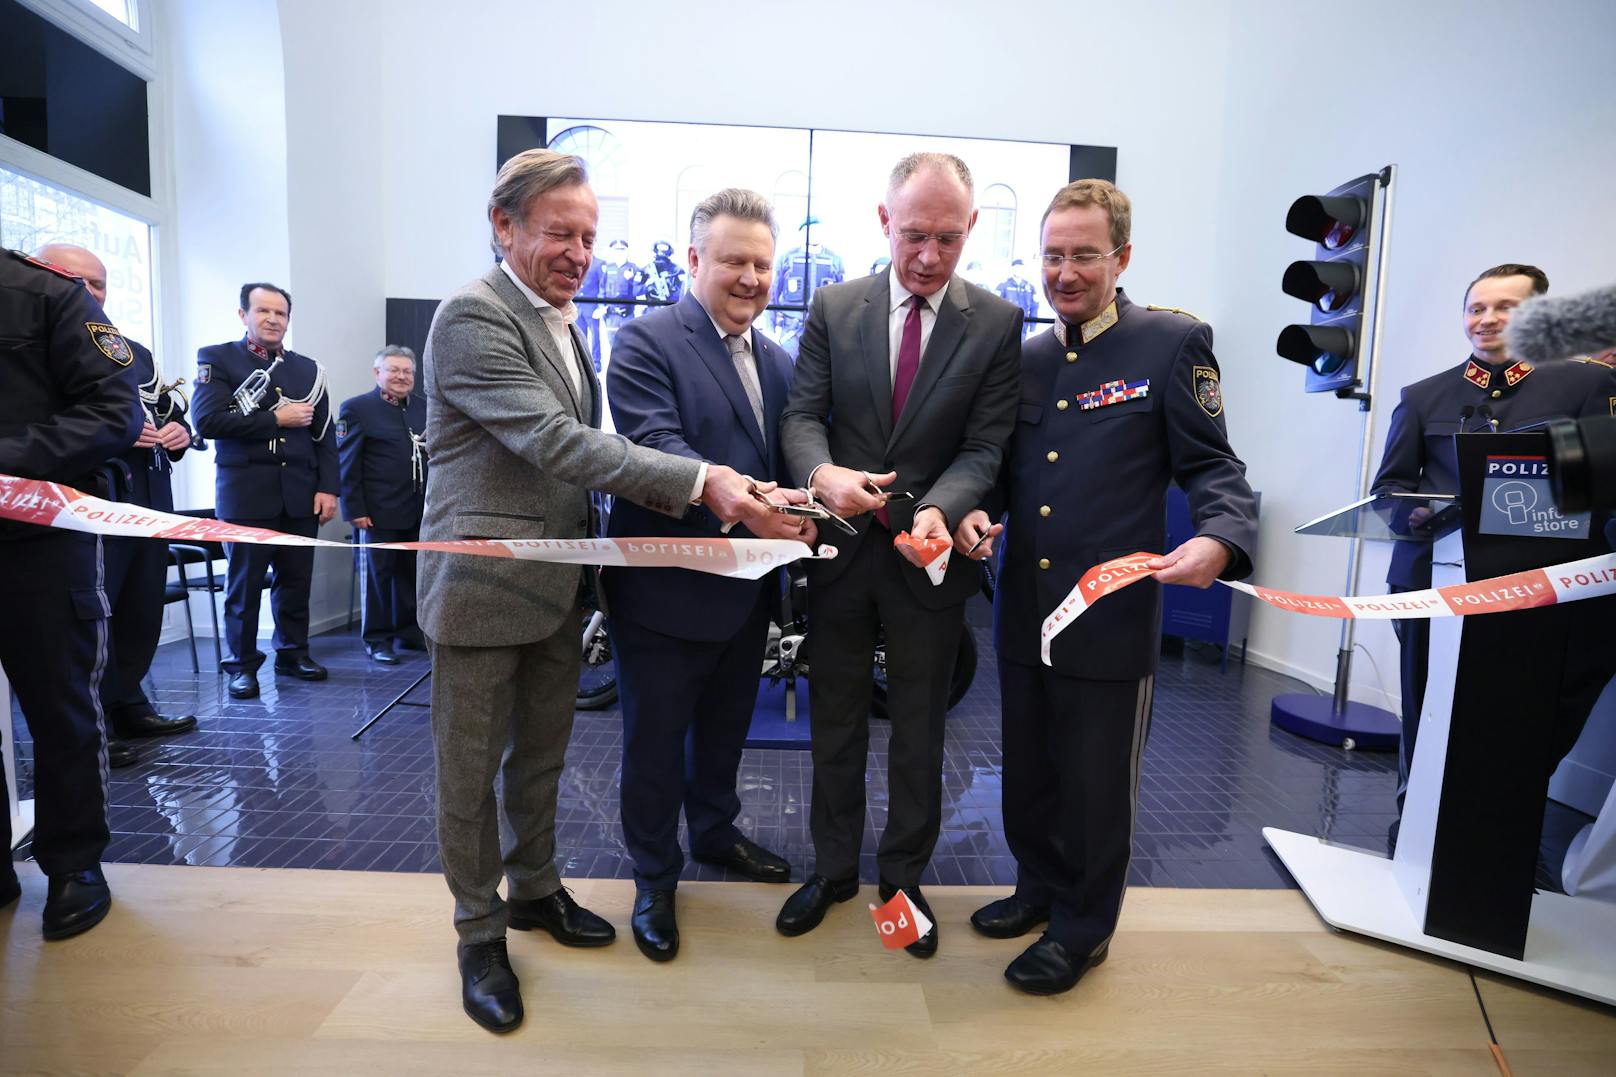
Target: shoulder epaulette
(31,260)
(1173,310)
(1604,359)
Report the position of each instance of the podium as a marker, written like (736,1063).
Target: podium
(1461,883)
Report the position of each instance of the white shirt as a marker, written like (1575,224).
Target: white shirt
(898,313)
(558,322)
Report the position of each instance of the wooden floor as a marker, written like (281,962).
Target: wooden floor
(236,970)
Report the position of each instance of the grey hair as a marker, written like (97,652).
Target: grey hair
(391,350)
(735,202)
(526,176)
(917,162)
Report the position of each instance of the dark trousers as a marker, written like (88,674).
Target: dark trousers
(53,644)
(1072,754)
(1414,649)
(388,613)
(844,617)
(289,594)
(687,706)
(136,570)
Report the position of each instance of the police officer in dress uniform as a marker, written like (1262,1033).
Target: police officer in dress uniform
(71,402)
(267,412)
(662,281)
(1117,400)
(619,279)
(381,445)
(1487,391)
(136,568)
(1022,292)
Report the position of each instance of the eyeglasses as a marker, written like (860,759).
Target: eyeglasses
(947,241)
(1082,259)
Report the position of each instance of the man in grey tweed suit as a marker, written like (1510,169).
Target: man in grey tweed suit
(513,416)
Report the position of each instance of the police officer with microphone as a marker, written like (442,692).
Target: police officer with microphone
(381,446)
(71,402)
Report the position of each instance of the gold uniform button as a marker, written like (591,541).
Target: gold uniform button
(1071,357)
(1043,510)
(1497,393)
(1061,405)
(1053,456)
(1043,562)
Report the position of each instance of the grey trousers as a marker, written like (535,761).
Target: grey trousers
(504,711)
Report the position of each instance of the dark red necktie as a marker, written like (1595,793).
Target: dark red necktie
(903,378)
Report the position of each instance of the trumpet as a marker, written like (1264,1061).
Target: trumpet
(251,391)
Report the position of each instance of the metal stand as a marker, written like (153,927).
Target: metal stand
(398,699)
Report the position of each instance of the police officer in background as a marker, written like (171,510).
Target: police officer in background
(266,410)
(662,281)
(798,272)
(136,568)
(1023,293)
(381,447)
(1489,390)
(71,402)
(1117,400)
(619,279)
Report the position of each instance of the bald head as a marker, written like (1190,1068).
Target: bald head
(80,263)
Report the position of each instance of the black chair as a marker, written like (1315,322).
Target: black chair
(181,554)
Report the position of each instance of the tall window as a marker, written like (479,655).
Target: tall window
(34,213)
(122,10)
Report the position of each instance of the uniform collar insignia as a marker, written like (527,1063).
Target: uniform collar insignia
(396,401)
(1091,328)
(1477,375)
(1517,371)
(256,350)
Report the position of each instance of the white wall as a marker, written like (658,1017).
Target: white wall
(389,145)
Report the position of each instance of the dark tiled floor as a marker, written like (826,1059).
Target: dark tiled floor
(276,782)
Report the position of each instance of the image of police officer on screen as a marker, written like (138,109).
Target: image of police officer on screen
(136,568)
(72,402)
(381,453)
(268,415)
(798,272)
(1023,293)
(619,279)
(662,281)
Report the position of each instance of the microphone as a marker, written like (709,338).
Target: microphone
(1487,413)
(1542,329)
(1464,416)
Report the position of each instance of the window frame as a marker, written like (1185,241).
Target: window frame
(133,49)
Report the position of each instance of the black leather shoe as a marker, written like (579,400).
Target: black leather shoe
(747,857)
(152,724)
(569,922)
(656,931)
(304,668)
(488,986)
(382,655)
(1048,968)
(926,945)
(1008,918)
(10,888)
(120,754)
(244,686)
(804,909)
(76,902)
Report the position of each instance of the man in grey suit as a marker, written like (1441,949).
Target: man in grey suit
(513,416)
(909,377)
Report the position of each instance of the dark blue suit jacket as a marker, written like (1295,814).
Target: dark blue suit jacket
(263,469)
(376,458)
(672,385)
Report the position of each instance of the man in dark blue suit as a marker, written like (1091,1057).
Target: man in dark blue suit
(266,410)
(1117,400)
(381,447)
(697,380)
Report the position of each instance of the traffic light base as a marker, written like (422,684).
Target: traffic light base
(1355,725)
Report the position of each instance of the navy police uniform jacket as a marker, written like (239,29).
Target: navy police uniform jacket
(376,449)
(263,469)
(1129,402)
(1420,455)
(67,380)
(144,475)
(673,386)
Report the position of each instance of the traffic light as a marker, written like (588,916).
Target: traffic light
(1335,343)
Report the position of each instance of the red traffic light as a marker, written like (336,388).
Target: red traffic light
(1328,220)
(1332,285)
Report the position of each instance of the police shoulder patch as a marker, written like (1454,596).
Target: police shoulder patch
(204,373)
(111,342)
(1208,390)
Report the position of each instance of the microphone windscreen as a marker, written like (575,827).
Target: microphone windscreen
(1542,328)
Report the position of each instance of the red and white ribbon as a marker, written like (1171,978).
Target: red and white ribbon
(933,554)
(1572,581)
(51,504)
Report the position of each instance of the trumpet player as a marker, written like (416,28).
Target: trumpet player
(266,410)
(135,569)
